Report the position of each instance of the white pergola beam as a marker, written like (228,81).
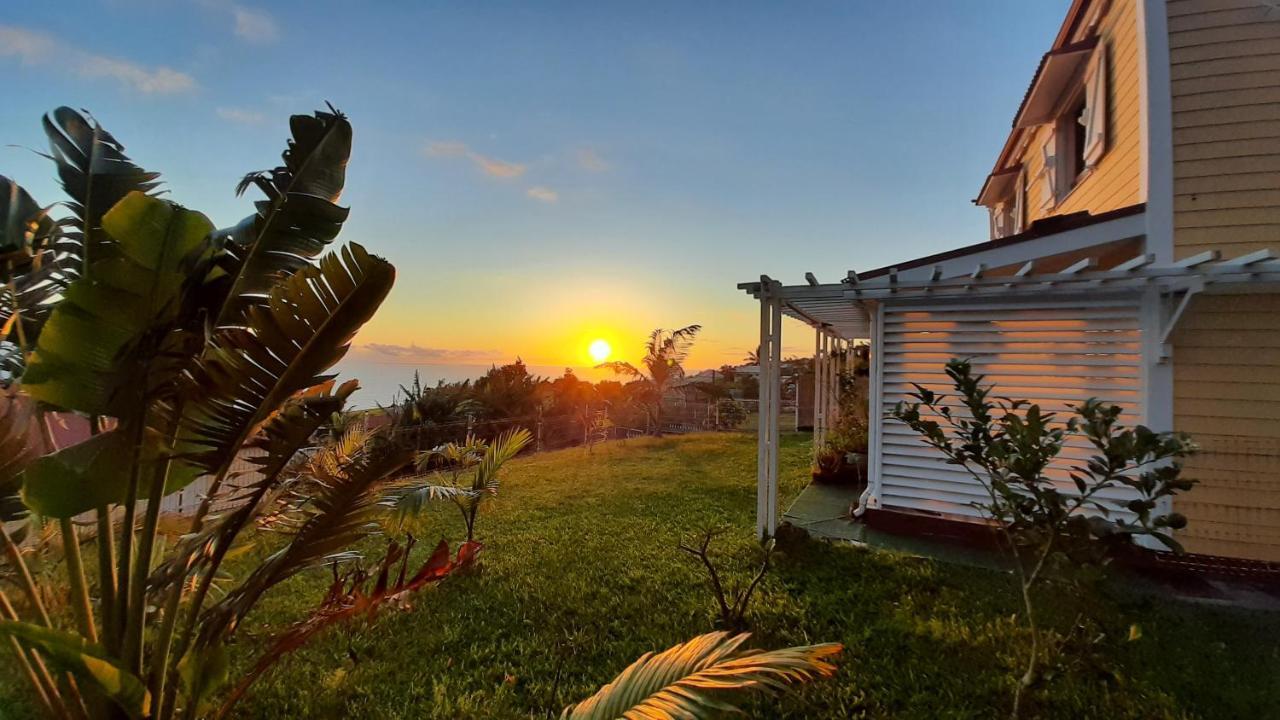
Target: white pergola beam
(1207,256)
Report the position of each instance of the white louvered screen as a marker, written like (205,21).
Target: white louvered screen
(1053,354)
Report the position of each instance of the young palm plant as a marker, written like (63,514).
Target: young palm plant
(664,356)
(465,474)
(183,346)
(701,678)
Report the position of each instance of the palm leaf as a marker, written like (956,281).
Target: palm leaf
(304,329)
(96,174)
(621,368)
(86,661)
(91,348)
(280,439)
(298,219)
(411,501)
(341,511)
(506,447)
(700,677)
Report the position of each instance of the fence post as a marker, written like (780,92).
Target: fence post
(537,444)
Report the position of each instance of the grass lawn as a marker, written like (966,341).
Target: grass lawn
(580,575)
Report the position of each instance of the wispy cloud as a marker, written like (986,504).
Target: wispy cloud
(414,353)
(241,115)
(253,25)
(542,194)
(590,160)
(32,47)
(489,166)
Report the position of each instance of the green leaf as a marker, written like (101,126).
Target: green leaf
(96,174)
(298,219)
(86,661)
(91,349)
(204,671)
(95,473)
(306,326)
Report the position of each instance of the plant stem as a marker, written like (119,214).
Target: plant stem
(27,583)
(80,603)
(37,673)
(130,647)
(137,600)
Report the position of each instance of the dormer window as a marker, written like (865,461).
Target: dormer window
(1079,136)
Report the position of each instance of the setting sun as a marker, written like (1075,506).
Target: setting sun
(599,350)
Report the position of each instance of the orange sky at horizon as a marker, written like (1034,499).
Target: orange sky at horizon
(553,324)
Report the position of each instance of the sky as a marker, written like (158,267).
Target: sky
(546,174)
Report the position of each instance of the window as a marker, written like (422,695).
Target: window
(1079,138)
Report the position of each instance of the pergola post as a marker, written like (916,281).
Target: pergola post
(770,357)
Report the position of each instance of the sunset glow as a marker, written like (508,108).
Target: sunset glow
(599,350)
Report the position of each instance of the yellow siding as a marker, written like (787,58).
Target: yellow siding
(1225,73)
(1117,180)
(1226,364)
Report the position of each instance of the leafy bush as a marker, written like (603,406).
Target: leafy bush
(1008,447)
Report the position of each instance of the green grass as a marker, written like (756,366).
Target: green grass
(580,574)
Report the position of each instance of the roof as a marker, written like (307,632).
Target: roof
(1061,45)
(1041,228)
(840,306)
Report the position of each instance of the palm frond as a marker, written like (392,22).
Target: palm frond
(506,447)
(96,174)
(279,440)
(621,368)
(341,511)
(701,677)
(299,217)
(411,501)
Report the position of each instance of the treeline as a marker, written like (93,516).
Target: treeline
(567,409)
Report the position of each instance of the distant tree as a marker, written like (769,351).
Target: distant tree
(508,391)
(665,353)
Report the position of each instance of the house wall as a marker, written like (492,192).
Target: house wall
(1226,360)
(1117,180)
(1224,70)
(1224,60)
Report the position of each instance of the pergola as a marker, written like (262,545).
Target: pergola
(844,312)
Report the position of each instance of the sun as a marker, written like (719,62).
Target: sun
(599,350)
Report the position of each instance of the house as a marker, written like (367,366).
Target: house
(1134,219)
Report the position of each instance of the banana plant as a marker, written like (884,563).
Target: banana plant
(183,347)
(702,678)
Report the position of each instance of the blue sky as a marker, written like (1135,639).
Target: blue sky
(545,172)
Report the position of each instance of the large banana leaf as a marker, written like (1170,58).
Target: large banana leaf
(96,174)
(96,473)
(700,678)
(304,329)
(296,221)
(85,357)
(86,661)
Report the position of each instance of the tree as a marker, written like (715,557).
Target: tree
(665,353)
(183,346)
(1008,447)
(508,391)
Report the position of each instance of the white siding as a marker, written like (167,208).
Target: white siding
(1056,354)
